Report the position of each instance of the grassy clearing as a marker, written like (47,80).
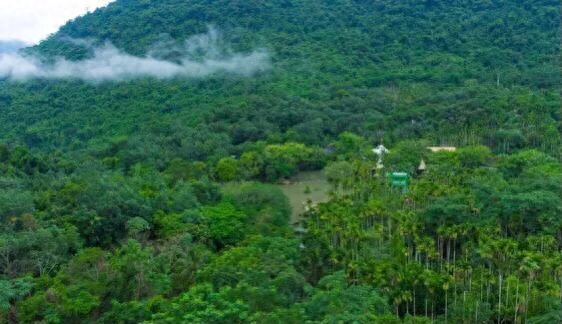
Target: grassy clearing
(304,186)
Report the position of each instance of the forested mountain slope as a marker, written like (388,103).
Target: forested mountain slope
(486,69)
(145,146)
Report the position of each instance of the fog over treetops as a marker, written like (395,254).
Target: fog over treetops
(196,57)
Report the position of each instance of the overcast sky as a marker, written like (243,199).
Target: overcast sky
(33,20)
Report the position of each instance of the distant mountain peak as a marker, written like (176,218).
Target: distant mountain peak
(10,46)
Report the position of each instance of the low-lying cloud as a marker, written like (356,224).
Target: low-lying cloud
(198,57)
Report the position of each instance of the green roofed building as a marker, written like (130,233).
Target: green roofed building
(399,179)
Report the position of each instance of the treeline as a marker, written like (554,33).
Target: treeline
(148,121)
(474,238)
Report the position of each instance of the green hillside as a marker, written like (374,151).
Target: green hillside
(380,69)
(157,199)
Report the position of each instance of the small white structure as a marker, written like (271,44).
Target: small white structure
(422,166)
(436,149)
(380,150)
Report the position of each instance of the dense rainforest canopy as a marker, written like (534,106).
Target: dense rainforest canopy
(158,200)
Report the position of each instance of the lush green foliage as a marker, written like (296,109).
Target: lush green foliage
(462,73)
(152,200)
